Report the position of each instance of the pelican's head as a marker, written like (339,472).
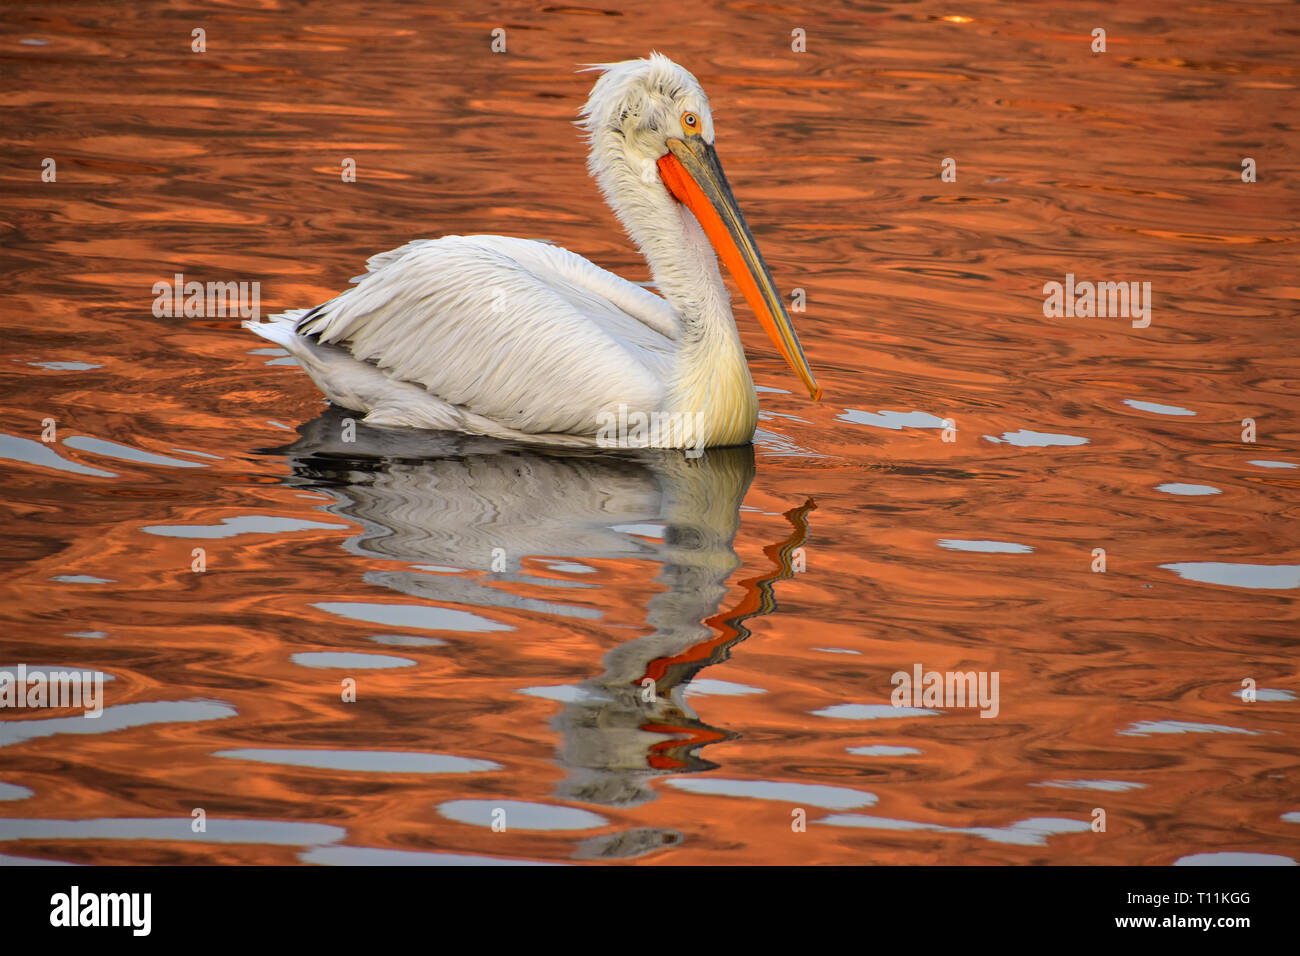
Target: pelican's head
(651,134)
(639,105)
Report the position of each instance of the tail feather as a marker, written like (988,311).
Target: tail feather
(351,383)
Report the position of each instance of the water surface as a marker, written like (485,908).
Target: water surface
(196,527)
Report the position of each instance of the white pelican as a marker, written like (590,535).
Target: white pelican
(521,339)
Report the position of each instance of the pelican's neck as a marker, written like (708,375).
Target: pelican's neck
(712,375)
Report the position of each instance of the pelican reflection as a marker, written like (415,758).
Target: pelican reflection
(447,502)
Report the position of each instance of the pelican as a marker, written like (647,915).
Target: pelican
(521,339)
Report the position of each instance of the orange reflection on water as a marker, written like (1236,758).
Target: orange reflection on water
(770,668)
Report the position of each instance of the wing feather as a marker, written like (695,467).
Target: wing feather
(524,333)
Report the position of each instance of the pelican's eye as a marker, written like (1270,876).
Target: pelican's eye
(690,122)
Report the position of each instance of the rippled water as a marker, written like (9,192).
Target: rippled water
(770,593)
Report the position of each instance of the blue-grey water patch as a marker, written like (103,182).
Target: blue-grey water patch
(774,445)
(272,421)
(1292,816)
(1144,728)
(364,761)
(565,693)
(570,567)
(882,750)
(708,686)
(835,650)
(1110,786)
(426,617)
(810,794)
(1157,408)
(770,416)
(1235,859)
(87,634)
(81,579)
(770,390)
(1031,832)
(894,421)
(985,547)
(374,856)
(350,660)
(408,640)
(1271,577)
(111,449)
(1264,463)
(198,454)
(243,524)
(1266,695)
(11,791)
(7,860)
(65,366)
(1027,439)
(29,452)
(118,717)
(874,712)
(520,815)
(644,530)
(219,830)
(437,568)
(1182,488)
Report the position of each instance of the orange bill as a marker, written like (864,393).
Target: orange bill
(693,175)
